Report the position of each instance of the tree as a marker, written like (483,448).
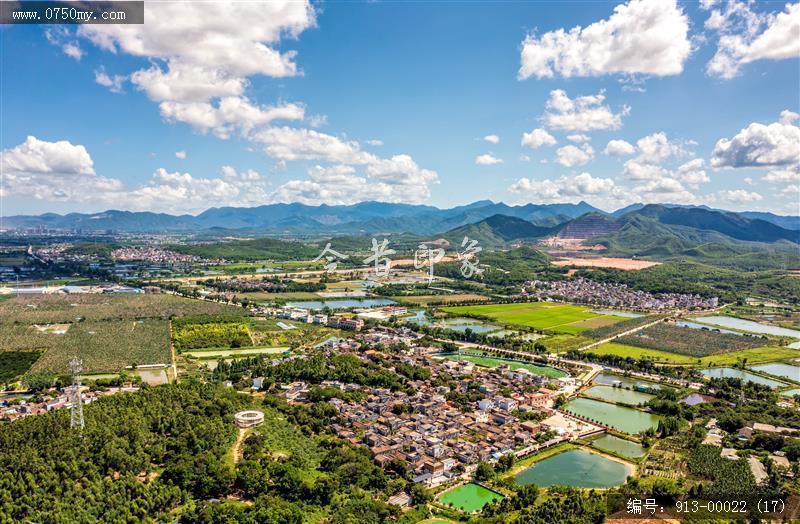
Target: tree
(483,471)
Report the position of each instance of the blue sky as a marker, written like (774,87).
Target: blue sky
(343,102)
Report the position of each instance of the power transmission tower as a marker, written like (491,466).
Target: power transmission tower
(76,406)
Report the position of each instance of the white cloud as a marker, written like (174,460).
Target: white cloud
(318,121)
(374,142)
(635,170)
(62,37)
(181,155)
(692,173)
(524,158)
(570,155)
(788,117)
(656,148)
(783,176)
(202,55)
(487,160)
(746,36)
(113,83)
(537,138)
(231,113)
(759,145)
(579,138)
(640,37)
(619,148)
(53,171)
(662,185)
(562,189)
(73,50)
(582,114)
(288,143)
(492,139)
(739,196)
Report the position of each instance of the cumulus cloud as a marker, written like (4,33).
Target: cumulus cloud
(693,173)
(180,155)
(374,142)
(487,160)
(492,139)
(62,37)
(760,145)
(570,155)
(537,138)
(288,143)
(656,148)
(739,196)
(581,114)
(579,138)
(619,148)
(202,55)
(640,37)
(565,188)
(746,36)
(783,176)
(54,171)
(113,83)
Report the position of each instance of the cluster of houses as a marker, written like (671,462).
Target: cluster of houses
(437,439)
(17,408)
(586,291)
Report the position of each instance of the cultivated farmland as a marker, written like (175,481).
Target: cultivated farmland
(689,341)
(559,318)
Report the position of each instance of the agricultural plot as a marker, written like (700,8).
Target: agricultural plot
(195,333)
(688,341)
(14,364)
(423,300)
(53,309)
(622,350)
(106,346)
(559,318)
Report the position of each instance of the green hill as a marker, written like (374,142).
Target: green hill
(497,231)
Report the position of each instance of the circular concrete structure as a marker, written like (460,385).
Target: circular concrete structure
(248,419)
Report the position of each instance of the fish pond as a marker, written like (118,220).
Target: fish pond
(618,395)
(460,324)
(469,497)
(577,468)
(609,379)
(341,304)
(791,392)
(741,374)
(618,417)
(620,446)
(780,370)
(748,325)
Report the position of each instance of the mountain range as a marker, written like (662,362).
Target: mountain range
(379,217)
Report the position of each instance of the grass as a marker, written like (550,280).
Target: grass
(753,356)
(469,497)
(438,299)
(234,352)
(491,362)
(622,350)
(559,318)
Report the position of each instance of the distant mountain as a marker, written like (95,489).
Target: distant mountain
(497,231)
(589,226)
(301,219)
(730,224)
(786,222)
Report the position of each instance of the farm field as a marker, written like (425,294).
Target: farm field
(560,318)
(622,350)
(688,341)
(492,362)
(224,353)
(753,356)
(104,346)
(52,309)
(625,264)
(563,343)
(439,299)
(262,296)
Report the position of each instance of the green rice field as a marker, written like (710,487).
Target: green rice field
(559,318)
(469,497)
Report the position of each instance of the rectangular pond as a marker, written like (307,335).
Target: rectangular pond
(624,419)
(741,374)
(620,446)
(469,497)
(748,325)
(341,304)
(791,392)
(610,379)
(577,468)
(779,370)
(612,394)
